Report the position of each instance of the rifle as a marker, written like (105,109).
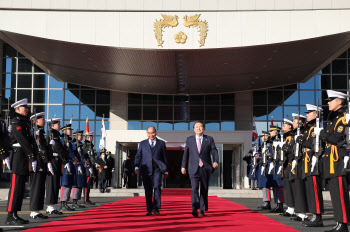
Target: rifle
(253,174)
(274,159)
(297,147)
(264,156)
(66,141)
(317,154)
(281,162)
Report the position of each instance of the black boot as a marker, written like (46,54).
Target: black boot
(278,209)
(65,207)
(15,215)
(88,202)
(342,227)
(11,220)
(76,204)
(316,221)
(265,206)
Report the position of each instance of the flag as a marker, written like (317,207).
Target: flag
(87,125)
(254,134)
(103,135)
(272,120)
(71,119)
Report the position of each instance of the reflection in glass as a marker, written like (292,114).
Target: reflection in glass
(24,65)
(181,100)
(180,126)
(10,65)
(307,97)
(24,94)
(55,83)
(197,113)
(71,110)
(71,96)
(24,81)
(212,113)
(40,96)
(40,81)
(150,113)
(212,99)
(165,126)
(212,126)
(149,99)
(147,124)
(88,110)
(181,112)
(275,97)
(165,112)
(134,125)
(260,97)
(56,96)
(134,98)
(291,97)
(310,84)
(55,111)
(102,110)
(134,113)
(288,110)
(228,113)
(339,67)
(275,112)
(325,82)
(228,99)
(10,81)
(339,82)
(227,126)
(87,96)
(260,112)
(165,99)
(103,97)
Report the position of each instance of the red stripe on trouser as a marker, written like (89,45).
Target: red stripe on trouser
(345,219)
(73,193)
(86,188)
(13,184)
(281,192)
(62,192)
(316,195)
(268,194)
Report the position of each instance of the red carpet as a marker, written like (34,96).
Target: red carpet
(129,215)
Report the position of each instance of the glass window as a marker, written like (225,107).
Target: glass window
(134,113)
(71,96)
(165,99)
(40,81)
(344,55)
(228,99)
(134,125)
(307,97)
(318,81)
(149,99)
(40,108)
(212,99)
(288,110)
(55,83)
(56,96)
(212,113)
(339,82)
(37,69)
(261,126)
(212,126)
(180,126)
(82,124)
(310,84)
(181,113)
(293,86)
(10,65)
(87,96)
(71,86)
(339,67)
(260,112)
(72,110)
(197,113)
(165,126)
(102,110)
(275,97)
(150,113)
(10,93)
(197,100)
(87,110)
(228,113)
(275,112)
(227,126)
(9,51)
(24,94)
(55,111)
(165,112)
(147,124)
(40,96)
(103,97)
(291,97)
(327,69)
(24,65)
(134,98)
(181,100)
(9,81)
(24,81)
(325,82)
(260,98)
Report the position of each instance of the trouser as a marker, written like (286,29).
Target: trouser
(152,184)
(89,181)
(16,193)
(201,178)
(299,192)
(278,194)
(314,194)
(339,192)
(102,184)
(65,193)
(266,194)
(76,194)
(288,192)
(253,183)
(37,191)
(52,189)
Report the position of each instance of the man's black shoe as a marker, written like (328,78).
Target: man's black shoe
(77,204)
(65,207)
(149,213)
(313,224)
(156,212)
(39,216)
(286,214)
(13,220)
(278,209)
(299,219)
(340,227)
(201,213)
(195,213)
(265,206)
(54,212)
(89,203)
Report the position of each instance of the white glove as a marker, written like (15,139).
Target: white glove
(279,170)
(262,170)
(295,137)
(79,149)
(313,163)
(10,128)
(346,160)
(49,166)
(271,167)
(113,170)
(67,166)
(7,162)
(90,170)
(79,169)
(97,165)
(52,142)
(34,164)
(317,131)
(37,133)
(294,163)
(67,144)
(347,116)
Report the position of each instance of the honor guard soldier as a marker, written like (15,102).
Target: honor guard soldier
(38,178)
(59,157)
(273,167)
(334,157)
(23,161)
(298,184)
(265,180)
(68,175)
(79,169)
(103,167)
(286,162)
(110,159)
(88,149)
(310,167)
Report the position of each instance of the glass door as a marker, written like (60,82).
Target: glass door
(216,178)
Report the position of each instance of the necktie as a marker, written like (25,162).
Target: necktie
(199,151)
(152,144)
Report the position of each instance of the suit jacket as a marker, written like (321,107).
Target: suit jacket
(191,156)
(145,156)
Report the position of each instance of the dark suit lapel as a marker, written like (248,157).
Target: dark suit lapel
(148,146)
(203,142)
(155,147)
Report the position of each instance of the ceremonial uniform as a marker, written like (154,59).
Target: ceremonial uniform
(88,149)
(103,174)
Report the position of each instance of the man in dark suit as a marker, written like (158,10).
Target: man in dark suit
(151,160)
(197,157)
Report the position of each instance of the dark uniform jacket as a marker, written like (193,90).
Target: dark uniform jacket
(41,149)
(60,155)
(5,141)
(288,152)
(23,145)
(103,173)
(297,173)
(334,136)
(88,149)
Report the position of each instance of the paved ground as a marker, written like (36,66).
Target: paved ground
(250,203)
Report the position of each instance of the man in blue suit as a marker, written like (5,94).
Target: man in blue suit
(151,160)
(197,157)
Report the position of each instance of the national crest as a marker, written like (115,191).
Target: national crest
(340,129)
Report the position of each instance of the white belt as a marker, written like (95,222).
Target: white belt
(16,145)
(55,154)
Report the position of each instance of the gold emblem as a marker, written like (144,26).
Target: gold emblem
(180,37)
(313,134)
(192,21)
(167,21)
(340,129)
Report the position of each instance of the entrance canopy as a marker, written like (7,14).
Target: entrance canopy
(196,71)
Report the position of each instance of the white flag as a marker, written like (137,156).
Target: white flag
(103,136)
